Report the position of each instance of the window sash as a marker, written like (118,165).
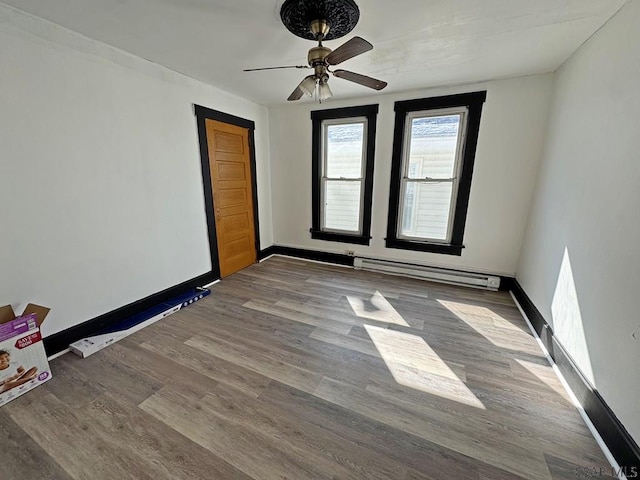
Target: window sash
(324,178)
(455,180)
(360,206)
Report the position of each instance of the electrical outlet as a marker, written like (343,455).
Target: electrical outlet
(351,253)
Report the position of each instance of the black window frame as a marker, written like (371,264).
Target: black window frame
(370,112)
(474,102)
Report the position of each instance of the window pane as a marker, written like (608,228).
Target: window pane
(344,150)
(342,205)
(432,151)
(425,213)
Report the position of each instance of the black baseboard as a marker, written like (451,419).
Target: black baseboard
(317,255)
(506,284)
(622,446)
(266,252)
(60,341)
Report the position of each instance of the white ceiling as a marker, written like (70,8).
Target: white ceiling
(417,43)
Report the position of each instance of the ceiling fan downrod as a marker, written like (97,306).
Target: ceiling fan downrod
(317,55)
(319,29)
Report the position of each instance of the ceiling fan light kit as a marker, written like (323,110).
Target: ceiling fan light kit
(324,92)
(308,85)
(321,20)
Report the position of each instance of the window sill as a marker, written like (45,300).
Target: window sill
(340,237)
(445,249)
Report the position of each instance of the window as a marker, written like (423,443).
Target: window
(342,158)
(433,153)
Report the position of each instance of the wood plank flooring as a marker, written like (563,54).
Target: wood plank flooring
(297,370)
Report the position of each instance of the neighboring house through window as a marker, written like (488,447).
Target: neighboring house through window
(343,153)
(433,155)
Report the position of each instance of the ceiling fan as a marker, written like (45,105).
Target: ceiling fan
(324,20)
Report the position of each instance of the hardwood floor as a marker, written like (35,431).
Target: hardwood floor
(298,370)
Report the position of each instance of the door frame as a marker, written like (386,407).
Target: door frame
(202,115)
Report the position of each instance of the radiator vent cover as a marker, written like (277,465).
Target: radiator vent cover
(444,275)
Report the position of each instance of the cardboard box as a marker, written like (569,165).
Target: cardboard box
(23,361)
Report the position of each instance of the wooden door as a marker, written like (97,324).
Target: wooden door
(230,166)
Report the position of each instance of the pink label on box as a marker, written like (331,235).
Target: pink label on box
(30,339)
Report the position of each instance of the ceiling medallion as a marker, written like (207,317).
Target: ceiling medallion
(341,15)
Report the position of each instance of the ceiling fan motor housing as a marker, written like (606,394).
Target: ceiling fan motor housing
(317,55)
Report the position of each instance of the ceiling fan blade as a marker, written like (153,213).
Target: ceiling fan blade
(307,85)
(295,95)
(350,49)
(361,79)
(274,68)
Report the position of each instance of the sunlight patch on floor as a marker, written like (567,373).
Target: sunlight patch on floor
(414,364)
(489,324)
(546,375)
(379,309)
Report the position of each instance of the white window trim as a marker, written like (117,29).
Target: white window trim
(323,178)
(455,180)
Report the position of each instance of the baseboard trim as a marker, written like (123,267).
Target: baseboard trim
(266,252)
(506,283)
(316,255)
(60,341)
(619,442)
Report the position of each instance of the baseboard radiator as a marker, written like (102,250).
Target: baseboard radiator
(444,275)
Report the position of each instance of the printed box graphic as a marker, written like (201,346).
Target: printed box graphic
(23,360)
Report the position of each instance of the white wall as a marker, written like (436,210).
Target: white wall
(580,261)
(511,138)
(101,199)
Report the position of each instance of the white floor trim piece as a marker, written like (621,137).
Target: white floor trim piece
(574,399)
(209,284)
(90,345)
(59,354)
